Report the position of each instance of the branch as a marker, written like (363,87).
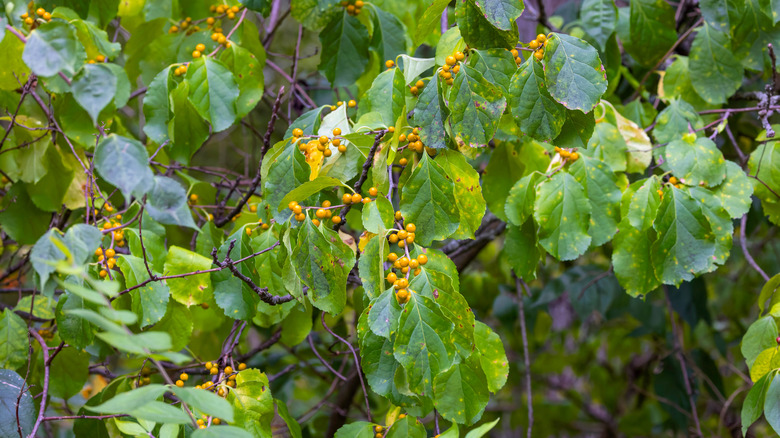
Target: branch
(261,292)
(324,362)
(45,393)
(743,244)
(357,364)
(221,221)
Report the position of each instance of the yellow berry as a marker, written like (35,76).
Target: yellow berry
(228,370)
(389,63)
(351,104)
(179,383)
(241,366)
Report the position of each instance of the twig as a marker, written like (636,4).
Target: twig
(45,393)
(526,359)
(743,244)
(324,362)
(85,417)
(294,70)
(357,364)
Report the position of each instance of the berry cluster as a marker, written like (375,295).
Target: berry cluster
(405,265)
(99,58)
(516,55)
(378,431)
(229,11)
(353,7)
(451,67)
(414,142)
(185,25)
(199,49)
(568,155)
(538,46)
(107,259)
(47,334)
(40,12)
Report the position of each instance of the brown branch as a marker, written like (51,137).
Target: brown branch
(261,292)
(743,244)
(324,362)
(45,393)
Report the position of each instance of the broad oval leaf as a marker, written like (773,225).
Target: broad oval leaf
(476,106)
(562,211)
(53,48)
(213,92)
(534,110)
(716,74)
(344,50)
(123,162)
(574,74)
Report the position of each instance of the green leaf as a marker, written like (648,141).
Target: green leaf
(14,68)
(430,113)
(408,427)
(168,203)
(123,162)
(149,301)
(323,261)
(599,18)
(261,6)
(68,372)
(468,192)
(160,412)
(763,164)
(17,408)
(187,130)
(715,72)
(389,35)
(130,400)
(751,29)
(223,432)
(253,404)
(13,333)
(492,356)
(378,215)
(508,163)
(308,122)
(371,267)
(358,429)
(685,242)
(76,331)
(534,110)
(502,14)
(429,21)
(609,146)
(287,171)
(307,189)
(479,432)
(772,405)
(206,402)
(384,313)
(49,192)
(192,289)
(157,108)
(460,393)
(22,220)
(213,92)
(735,191)
(674,120)
(94,87)
(385,97)
(414,67)
(422,343)
(522,250)
(53,48)
(753,406)
(631,259)
(233,296)
(562,212)
(696,163)
(644,204)
(601,185)
(652,30)
(520,201)
(573,71)
(344,50)
(495,65)
(178,324)
(450,42)
(476,106)
(479,32)
(297,325)
(292,424)
(246,62)
(677,83)
(759,336)
(428,201)
(314,14)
